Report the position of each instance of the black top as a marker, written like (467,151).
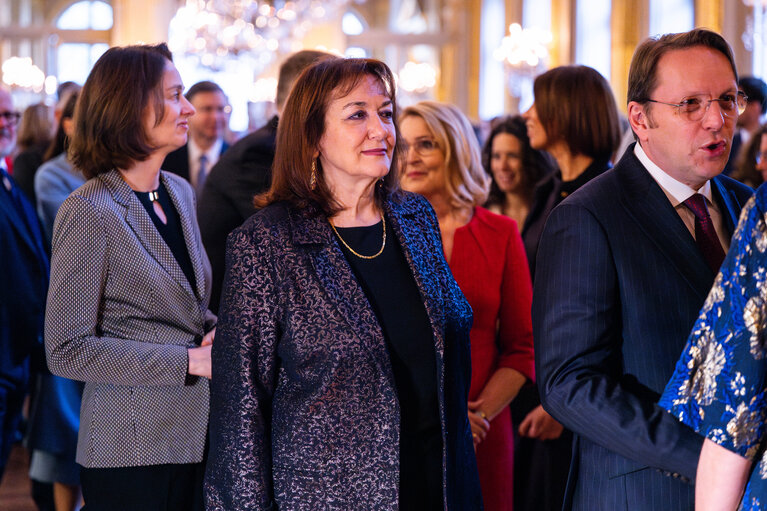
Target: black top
(546,196)
(391,290)
(170,232)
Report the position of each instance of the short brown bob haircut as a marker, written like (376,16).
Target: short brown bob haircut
(643,77)
(109,117)
(302,125)
(576,105)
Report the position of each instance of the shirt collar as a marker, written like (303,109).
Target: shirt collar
(212,154)
(677,191)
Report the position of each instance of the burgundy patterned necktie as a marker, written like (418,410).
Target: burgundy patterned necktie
(705,234)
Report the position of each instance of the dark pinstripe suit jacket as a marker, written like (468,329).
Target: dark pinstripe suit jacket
(619,284)
(120,316)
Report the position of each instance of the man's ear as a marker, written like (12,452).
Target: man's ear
(639,119)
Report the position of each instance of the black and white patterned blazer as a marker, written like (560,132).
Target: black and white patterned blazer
(120,317)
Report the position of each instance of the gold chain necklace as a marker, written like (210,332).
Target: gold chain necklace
(383,244)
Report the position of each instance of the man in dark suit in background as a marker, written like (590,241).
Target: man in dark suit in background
(194,160)
(244,171)
(750,120)
(625,264)
(23,288)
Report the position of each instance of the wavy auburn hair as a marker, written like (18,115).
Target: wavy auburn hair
(302,125)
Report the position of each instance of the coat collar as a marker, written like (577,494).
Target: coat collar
(313,231)
(654,214)
(152,241)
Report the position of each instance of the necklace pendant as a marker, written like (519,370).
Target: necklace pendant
(154,196)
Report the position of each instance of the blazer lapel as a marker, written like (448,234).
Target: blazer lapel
(338,281)
(192,242)
(645,201)
(142,226)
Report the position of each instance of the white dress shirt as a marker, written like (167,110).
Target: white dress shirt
(678,192)
(195,152)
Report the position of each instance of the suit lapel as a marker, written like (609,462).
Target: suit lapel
(142,226)
(645,201)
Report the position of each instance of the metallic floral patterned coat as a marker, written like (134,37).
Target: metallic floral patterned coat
(719,387)
(304,410)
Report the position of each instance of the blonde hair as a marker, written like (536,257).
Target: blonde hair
(466,181)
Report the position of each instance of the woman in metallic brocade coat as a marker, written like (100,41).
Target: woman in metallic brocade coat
(341,363)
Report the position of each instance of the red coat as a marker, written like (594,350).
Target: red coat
(490,266)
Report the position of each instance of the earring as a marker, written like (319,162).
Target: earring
(313,178)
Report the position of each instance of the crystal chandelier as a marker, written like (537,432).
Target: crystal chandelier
(216,31)
(524,53)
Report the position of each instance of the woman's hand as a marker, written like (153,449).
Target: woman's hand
(478,421)
(199,360)
(539,424)
(208,339)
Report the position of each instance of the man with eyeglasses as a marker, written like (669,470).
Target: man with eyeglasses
(23,287)
(624,265)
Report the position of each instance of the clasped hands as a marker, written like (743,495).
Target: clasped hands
(199,358)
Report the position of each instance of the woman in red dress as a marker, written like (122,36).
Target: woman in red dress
(485,252)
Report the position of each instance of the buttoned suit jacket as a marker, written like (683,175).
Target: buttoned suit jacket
(619,284)
(120,317)
(304,407)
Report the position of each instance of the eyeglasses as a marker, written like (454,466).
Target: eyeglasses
(693,108)
(10,117)
(422,146)
(760,157)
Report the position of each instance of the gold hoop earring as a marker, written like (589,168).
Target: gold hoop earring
(313,178)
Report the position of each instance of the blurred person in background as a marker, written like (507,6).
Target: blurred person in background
(750,120)
(487,259)
(54,417)
(751,168)
(35,133)
(206,143)
(23,286)
(515,168)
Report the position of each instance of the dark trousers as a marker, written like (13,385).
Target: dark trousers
(148,488)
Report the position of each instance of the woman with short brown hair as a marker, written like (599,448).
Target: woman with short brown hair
(127,308)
